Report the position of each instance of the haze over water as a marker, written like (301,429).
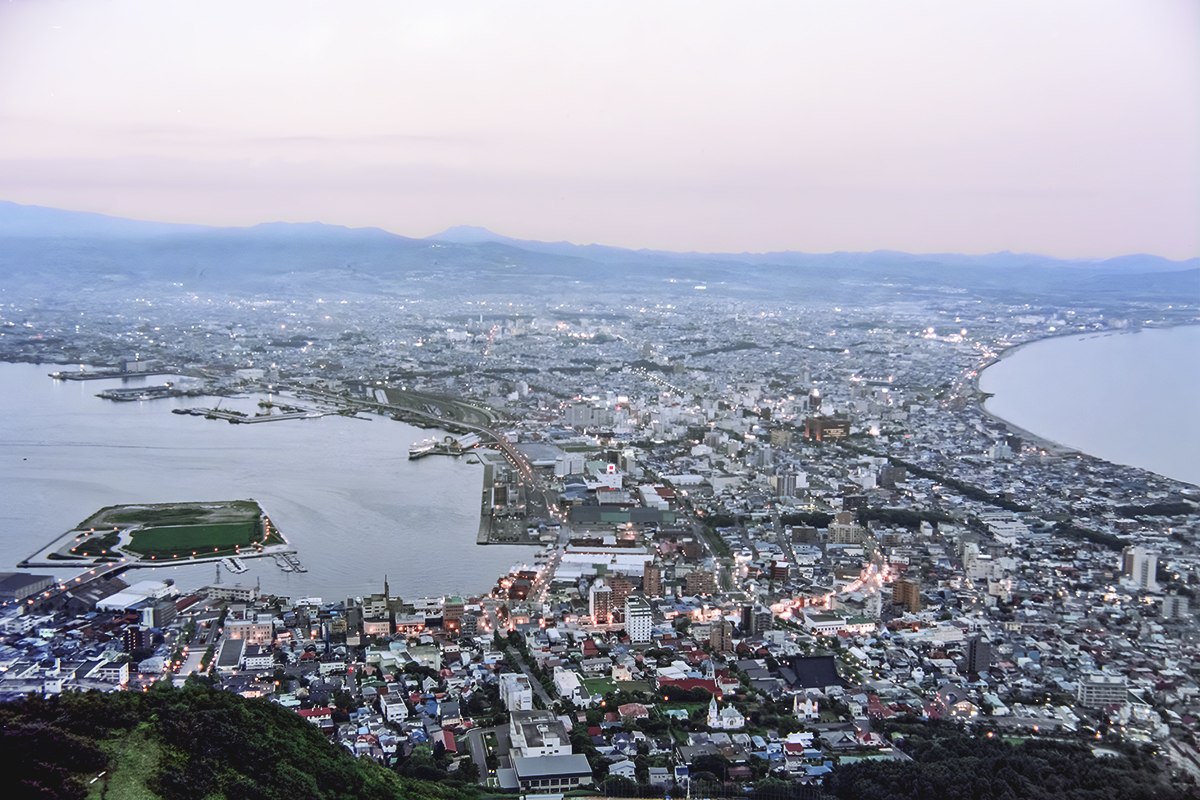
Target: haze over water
(341,490)
(1129,398)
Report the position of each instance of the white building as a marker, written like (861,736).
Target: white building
(727,718)
(538,733)
(515,692)
(638,619)
(1140,566)
(393,707)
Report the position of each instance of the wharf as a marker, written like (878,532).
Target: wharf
(108,374)
(288,562)
(142,393)
(238,418)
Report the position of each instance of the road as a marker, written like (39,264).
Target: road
(201,639)
(479,752)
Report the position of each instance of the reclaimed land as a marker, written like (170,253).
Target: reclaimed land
(166,514)
(154,532)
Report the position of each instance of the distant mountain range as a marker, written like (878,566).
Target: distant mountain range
(46,248)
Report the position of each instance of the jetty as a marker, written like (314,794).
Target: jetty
(448,446)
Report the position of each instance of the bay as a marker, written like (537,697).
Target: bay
(342,490)
(1129,398)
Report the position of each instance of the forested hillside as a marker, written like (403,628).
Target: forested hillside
(185,744)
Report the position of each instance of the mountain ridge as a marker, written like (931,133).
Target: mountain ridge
(29,221)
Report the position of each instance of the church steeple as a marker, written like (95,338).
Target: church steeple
(386,594)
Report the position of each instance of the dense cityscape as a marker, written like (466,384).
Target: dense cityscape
(766,536)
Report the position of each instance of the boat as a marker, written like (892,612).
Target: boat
(423,447)
(294,562)
(234,565)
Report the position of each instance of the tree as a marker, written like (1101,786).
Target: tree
(468,770)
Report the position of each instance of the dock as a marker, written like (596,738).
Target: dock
(288,562)
(241,418)
(141,393)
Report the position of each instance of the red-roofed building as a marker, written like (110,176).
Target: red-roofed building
(316,715)
(447,739)
(878,710)
(635,710)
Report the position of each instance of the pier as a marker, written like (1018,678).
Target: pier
(241,418)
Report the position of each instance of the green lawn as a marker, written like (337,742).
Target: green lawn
(634,686)
(600,686)
(183,540)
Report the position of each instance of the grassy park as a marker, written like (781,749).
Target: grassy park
(171,530)
(189,539)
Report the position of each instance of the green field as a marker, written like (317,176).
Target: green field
(200,539)
(174,514)
(600,686)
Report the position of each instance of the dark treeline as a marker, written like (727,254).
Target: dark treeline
(949,764)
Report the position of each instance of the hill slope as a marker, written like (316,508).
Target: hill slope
(185,744)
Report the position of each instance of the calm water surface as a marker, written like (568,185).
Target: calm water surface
(341,490)
(1129,398)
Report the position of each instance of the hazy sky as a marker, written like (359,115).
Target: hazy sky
(1064,128)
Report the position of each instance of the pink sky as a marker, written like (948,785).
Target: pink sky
(1065,128)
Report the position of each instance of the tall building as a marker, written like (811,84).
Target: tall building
(621,587)
(755,620)
(721,637)
(638,619)
(652,580)
(747,623)
(135,639)
(1174,607)
(784,484)
(701,581)
(600,603)
(1141,566)
(979,654)
(907,594)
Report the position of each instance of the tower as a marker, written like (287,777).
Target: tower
(979,654)
(1141,566)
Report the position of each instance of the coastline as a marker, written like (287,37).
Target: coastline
(1050,446)
(387,532)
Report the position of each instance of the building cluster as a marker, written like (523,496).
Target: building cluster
(762,529)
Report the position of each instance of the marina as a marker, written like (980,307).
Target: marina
(234,565)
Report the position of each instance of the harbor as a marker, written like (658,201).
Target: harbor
(448,446)
(235,417)
(147,393)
